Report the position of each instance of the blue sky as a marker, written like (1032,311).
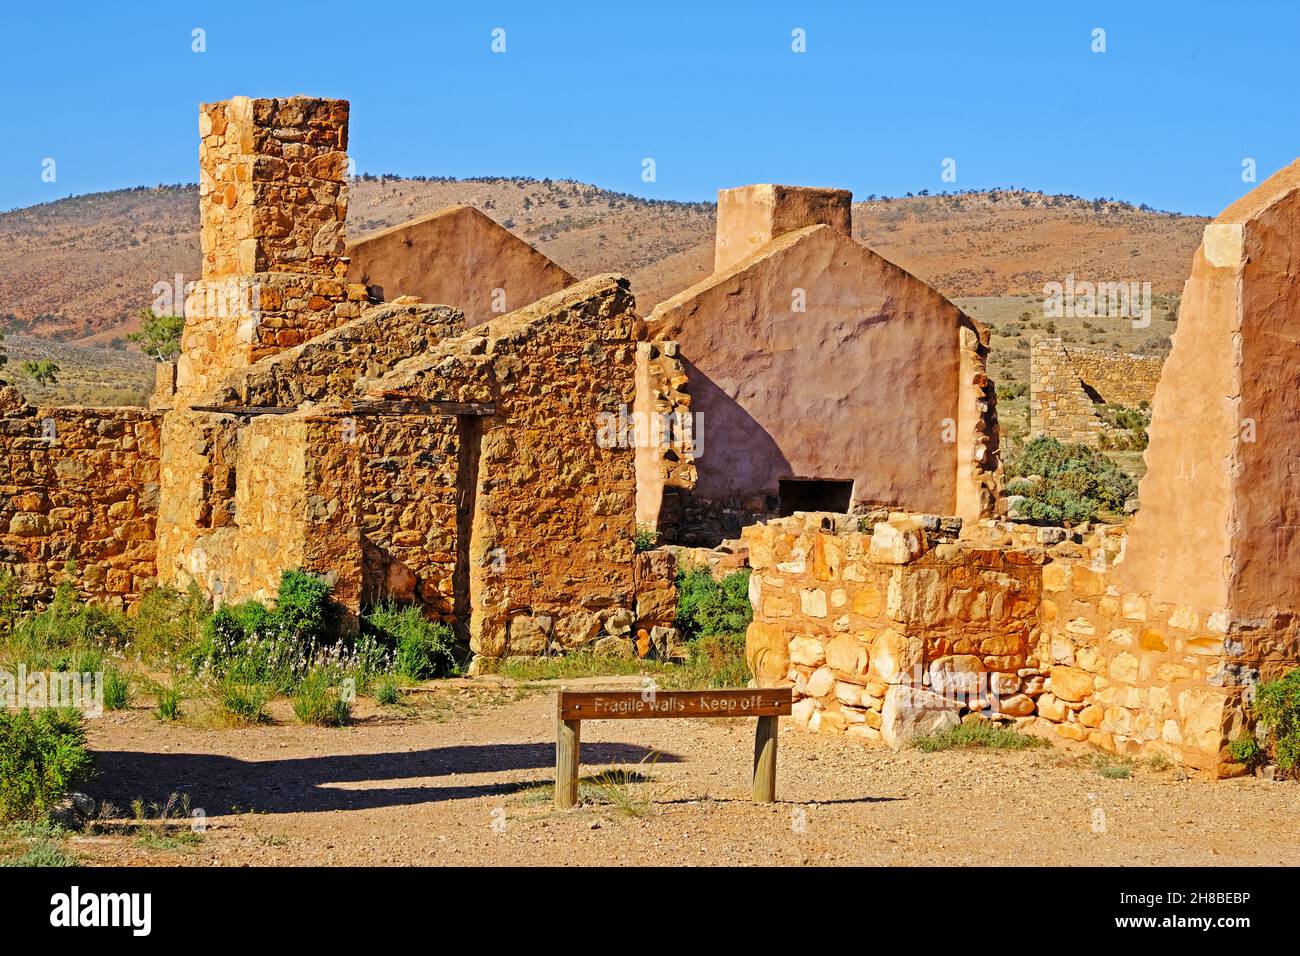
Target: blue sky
(712,92)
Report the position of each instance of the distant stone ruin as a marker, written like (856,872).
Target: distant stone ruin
(1069,385)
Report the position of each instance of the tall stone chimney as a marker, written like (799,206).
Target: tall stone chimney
(272,191)
(749,217)
(272,202)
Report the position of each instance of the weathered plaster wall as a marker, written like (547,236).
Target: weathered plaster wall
(457,256)
(864,385)
(1219,518)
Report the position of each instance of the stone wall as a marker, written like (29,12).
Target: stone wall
(1066,383)
(549,554)
(330,364)
(81,487)
(867,626)
(906,630)
(272,204)
(272,185)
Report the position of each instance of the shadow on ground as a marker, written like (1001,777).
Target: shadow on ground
(221,784)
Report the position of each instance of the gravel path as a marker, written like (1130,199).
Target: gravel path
(463,777)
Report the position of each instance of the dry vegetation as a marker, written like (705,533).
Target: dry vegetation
(84,266)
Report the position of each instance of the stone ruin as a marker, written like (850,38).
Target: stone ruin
(1068,384)
(821,376)
(441,416)
(1143,641)
(438,414)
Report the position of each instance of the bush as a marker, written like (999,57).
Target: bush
(167,623)
(43,757)
(716,660)
(422,649)
(117,690)
(1076,482)
(1277,709)
(646,537)
(386,693)
(1247,750)
(1010,391)
(980,733)
(69,623)
(277,646)
(706,606)
(169,702)
(319,700)
(243,702)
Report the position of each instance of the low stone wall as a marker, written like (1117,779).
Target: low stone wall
(901,629)
(1066,382)
(81,489)
(867,626)
(1139,677)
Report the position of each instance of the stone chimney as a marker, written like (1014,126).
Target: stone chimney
(749,217)
(272,203)
(272,193)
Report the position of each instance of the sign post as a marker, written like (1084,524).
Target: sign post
(769,705)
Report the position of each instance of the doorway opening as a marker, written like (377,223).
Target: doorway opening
(814,494)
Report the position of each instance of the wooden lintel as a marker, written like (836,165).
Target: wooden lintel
(364,408)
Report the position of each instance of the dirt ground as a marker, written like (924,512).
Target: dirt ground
(462,777)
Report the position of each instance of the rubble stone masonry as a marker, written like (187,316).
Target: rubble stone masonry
(1067,382)
(80,492)
(900,630)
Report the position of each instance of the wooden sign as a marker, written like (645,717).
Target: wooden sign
(634,704)
(573,707)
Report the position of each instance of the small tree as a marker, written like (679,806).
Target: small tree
(41,371)
(159,335)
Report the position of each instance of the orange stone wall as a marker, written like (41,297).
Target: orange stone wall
(80,490)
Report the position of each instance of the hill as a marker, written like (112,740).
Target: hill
(80,268)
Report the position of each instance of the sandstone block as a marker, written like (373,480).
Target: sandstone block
(1071,683)
(911,712)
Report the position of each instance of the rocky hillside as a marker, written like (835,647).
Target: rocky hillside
(80,268)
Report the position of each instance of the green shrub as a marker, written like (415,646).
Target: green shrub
(1246,749)
(69,623)
(10,602)
(1277,709)
(169,703)
(422,649)
(1010,391)
(715,660)
(275,646)
(706,606)
(168,623)
(980,733)
(386,692)
(117,690)
(304,609)
(319,700)
(646,537)
(43,757)
(243,702)
(1076,482)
